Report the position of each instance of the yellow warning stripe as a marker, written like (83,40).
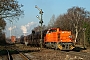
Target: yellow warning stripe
(71,47)
(59,46)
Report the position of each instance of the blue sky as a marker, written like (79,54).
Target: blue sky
(49,8)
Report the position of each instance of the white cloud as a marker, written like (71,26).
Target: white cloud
(26,27)
(23,29)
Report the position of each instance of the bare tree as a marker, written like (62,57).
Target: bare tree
(10,9)
(77,16)
(73,20)
(52,21)
(62,22)
(38,28)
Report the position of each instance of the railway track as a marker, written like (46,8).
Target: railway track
(44,53)
(21,56)
(5,55)
(74,54)
(9,56)
(11,53)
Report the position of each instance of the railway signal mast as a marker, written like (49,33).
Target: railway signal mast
(41,22)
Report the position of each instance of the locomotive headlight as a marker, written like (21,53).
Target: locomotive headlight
(70,36)
(70,40)
(61,40)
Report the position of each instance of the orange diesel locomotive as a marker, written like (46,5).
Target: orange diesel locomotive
(58,39)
